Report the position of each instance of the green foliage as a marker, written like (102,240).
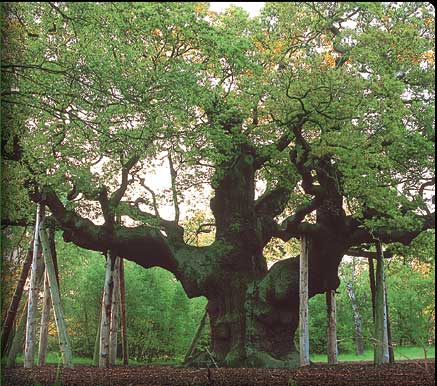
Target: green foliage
(161,320)
(410,300)
(89,82)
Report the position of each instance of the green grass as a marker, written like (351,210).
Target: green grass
(54,358)
(401,353)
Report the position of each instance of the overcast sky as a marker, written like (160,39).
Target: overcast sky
(252,8)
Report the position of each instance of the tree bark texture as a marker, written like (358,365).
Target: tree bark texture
(332,327)
(64,341)
(33,296)
(45,318)
(13,307)
(381,355)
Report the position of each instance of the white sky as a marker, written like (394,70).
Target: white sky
(253,8)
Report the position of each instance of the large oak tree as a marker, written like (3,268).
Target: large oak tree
(314,120)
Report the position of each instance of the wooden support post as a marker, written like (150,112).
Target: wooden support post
(196,336)
(391,353)
(304,343)
(64,341)
(18,340)
(13,307)
(123,314)
(106,312)
(45,318)
(33,296)
(115,306)
(381,353)
(332,327)
(96,352)
(372,285)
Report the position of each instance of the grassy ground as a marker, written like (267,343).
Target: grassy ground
(55,358)
(401,353)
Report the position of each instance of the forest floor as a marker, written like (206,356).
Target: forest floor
(402,373)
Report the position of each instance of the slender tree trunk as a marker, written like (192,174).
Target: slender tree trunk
(64,341)
(106,312)
(196,336)
(13,307)
(115,306)
(359,343)
(304,345)
(372,285)
(45,318)
(381,354)
(33,296)
(123,314)
(332,327)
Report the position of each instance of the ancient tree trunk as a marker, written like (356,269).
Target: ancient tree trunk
(332,327)
(33,294)
(64,341)
(381,354)
(114,313)
(196,337)
(304,343)
(358,330)
(45,318)
(13,307)
(123,314)
(106,312)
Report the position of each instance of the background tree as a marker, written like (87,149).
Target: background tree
(315,120)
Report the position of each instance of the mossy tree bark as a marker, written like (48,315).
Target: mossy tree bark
(253,311)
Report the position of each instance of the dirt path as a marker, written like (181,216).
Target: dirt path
(351,374)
